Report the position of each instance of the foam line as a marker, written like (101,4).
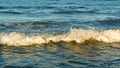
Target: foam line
(78,35)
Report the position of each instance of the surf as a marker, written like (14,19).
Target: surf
(77,35)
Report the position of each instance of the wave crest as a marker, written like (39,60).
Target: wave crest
(77,35)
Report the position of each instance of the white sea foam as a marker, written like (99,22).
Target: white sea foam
(78,35)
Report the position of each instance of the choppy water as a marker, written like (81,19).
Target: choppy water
(59,34)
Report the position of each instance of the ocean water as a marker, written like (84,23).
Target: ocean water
(59,33)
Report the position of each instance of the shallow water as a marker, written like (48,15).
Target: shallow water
(59,34)
(90,54)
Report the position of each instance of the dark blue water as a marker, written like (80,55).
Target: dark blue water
(22,20)
(35,15)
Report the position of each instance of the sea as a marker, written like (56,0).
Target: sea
(59,33)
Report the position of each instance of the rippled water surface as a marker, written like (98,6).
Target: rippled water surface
(62,55)
(60,34)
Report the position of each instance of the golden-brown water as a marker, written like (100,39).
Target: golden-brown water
(90,54)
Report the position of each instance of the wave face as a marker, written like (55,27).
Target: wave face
(77,35)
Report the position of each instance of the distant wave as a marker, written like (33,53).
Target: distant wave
(11,12)
(26,7)
(77,35)
(74,11)
(10,7)
(1,7)
(95,20)
(110,22)
(34,24)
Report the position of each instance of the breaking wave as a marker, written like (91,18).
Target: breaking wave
(77,35)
